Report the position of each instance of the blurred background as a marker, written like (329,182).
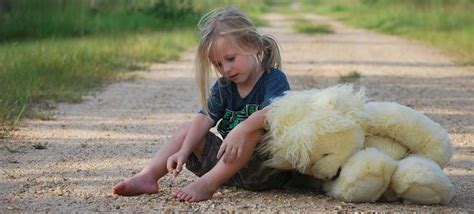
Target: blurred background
(58,50)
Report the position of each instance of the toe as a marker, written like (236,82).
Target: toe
(118,188)
(119,185)
(175,194)
(180,194)
(184,196)
(189,198)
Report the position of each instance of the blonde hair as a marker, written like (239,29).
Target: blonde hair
(230,23)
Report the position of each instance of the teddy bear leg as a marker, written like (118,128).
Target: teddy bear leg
(364,177)
(421,181)
(388,196)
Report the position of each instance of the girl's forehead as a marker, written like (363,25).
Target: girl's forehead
(222,47)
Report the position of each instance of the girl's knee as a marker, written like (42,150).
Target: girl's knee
(184,127)
(181,132)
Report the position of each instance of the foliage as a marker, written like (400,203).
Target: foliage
(61,18)
(312,28)
(60,49)
(64,69)
(448,24)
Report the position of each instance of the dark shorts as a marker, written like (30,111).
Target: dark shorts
(254,176)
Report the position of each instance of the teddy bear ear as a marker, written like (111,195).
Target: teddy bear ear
(412,129)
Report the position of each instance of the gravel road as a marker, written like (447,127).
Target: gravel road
(70,161)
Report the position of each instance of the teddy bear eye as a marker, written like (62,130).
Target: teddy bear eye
(324,155)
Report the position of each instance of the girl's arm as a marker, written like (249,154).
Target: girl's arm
(250,128)
(200,125)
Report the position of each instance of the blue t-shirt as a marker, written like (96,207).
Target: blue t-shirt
(225,103)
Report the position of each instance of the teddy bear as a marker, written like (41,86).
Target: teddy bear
(363,151)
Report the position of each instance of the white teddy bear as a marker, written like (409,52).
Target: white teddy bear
(363,151)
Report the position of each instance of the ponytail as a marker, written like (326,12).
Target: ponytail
(271,53)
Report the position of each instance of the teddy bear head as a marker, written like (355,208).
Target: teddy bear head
(315,131)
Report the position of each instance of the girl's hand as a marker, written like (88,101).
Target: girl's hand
(175,162)
(233,145)
(244,138)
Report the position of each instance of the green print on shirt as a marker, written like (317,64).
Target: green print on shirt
(231,119)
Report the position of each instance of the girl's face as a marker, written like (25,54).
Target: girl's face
(232,64)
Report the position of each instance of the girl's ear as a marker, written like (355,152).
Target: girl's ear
(260,56)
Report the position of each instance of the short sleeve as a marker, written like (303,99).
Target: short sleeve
(276,85)
(215,102)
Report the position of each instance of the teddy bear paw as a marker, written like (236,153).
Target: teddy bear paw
(364,177)
(421,181)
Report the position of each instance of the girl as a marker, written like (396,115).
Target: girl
(248,64)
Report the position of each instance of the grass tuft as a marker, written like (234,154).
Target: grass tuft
(304,26)
(350,77)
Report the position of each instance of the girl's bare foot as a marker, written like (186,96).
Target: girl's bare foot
(141,183)
(198,190)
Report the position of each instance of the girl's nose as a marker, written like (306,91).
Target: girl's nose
(227,67)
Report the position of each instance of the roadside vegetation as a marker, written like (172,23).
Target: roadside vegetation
(58,50)
(307,27)
(446,24)
(350,77)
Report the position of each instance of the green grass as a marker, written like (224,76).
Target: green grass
(32,19)
(51,52)
(65,69)
(448,25)
(350,77)
(304,26)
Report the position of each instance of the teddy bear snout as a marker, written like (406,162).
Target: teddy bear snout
(336,175)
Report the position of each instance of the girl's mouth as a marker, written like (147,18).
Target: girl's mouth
(233,76)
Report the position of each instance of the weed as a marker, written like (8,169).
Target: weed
(350,77)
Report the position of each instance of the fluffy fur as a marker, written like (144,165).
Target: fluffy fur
(322,132)
(421,181)
(410,128)
(387,145)
(364,177)
(315,125)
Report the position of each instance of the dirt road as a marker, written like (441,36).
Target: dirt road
(70,161)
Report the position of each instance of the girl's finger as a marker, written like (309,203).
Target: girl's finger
(169,165)
(232,155)
(179,166)
(239,153)
(228,155)
(221,150)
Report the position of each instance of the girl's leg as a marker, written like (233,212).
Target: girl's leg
(204,187)
(145,182)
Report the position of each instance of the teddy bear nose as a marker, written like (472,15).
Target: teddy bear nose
(336,175)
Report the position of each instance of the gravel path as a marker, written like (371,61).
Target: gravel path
(70,161)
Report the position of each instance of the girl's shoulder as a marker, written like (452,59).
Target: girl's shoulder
(275,73)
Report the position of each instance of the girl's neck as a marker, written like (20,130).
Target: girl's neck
(245,88)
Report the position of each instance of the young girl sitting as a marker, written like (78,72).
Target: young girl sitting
(248,63)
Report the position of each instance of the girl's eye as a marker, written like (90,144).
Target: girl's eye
(231,58)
